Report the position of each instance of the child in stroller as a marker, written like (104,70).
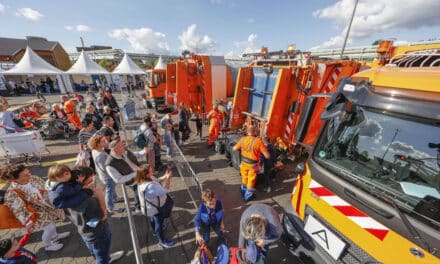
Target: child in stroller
(56,124)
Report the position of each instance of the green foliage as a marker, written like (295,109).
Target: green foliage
(106,63)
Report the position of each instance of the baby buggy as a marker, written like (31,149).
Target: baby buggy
(51,128)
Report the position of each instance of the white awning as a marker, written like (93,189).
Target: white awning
(127,66)
(160,65)
(31,63)
(85,65)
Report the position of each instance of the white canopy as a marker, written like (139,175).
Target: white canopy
(31,63)
(160,65)
(127,66)
(85,65)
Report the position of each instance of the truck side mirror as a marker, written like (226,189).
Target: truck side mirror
(304,118)
(300,168)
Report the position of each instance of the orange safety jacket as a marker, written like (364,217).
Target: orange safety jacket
(251,148)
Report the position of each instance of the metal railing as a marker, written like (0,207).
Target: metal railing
(192,182)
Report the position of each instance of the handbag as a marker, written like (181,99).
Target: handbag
(7,217)
(83,158)
(166,208)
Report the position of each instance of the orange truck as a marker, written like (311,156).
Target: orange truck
(272,91)
(198,81)
(155,88)
(370,190)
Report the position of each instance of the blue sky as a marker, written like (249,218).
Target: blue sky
(227,27)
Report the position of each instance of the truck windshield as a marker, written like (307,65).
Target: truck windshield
(148,78)
(387,156)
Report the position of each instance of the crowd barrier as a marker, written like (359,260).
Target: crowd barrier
(187,174)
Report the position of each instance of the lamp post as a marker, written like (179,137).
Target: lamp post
(348,29)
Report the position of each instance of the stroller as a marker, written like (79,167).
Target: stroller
(51,128)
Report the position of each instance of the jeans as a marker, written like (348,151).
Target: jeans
(99,245)
(110,193)
(169,151)
(206,232)
(137,204)
(156,223)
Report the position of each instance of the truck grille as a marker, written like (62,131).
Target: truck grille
(352,253)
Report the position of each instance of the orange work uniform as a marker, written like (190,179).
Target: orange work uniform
(72,114)
(28,114)
(251,148)
(215,119)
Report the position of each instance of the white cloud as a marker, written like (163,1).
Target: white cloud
(29,13)
(83,28)
(375,16)
(251,20)
(79,28)
(247,46)
(2,8)
(191,41)
(142,39)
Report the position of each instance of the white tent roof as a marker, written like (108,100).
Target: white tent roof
(31,63)
(127,66)
(85,65)
(160,65)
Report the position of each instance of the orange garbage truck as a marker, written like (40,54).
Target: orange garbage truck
(198,81)
(370,189)
(155,89)
(271,93)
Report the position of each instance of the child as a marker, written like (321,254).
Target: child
(176,134)
(209,215)
(167,138)
(84,203)
(12,251)
(65,191)
(268,164)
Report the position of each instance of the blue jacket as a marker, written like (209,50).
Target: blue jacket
(203,217)
(24,258)
(67,194)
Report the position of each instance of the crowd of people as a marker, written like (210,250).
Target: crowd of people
(87,201)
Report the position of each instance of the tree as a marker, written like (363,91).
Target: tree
(186,53)
(376,42)
(106,63)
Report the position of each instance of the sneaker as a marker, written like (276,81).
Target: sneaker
(167,244)
(116,255)
(138,211)
(116,211)
(118,200)
(61,236)
(54,247)
(268,189)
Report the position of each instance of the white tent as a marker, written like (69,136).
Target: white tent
(160,65)
(127,66)
(31,63)
(85,65)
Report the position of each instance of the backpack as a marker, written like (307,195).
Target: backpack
(139,139)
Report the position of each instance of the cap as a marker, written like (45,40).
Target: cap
(5,246)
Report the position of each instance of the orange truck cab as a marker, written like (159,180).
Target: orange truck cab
(155,88)
(370,190)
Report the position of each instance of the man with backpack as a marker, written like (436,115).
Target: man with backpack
(145,138)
